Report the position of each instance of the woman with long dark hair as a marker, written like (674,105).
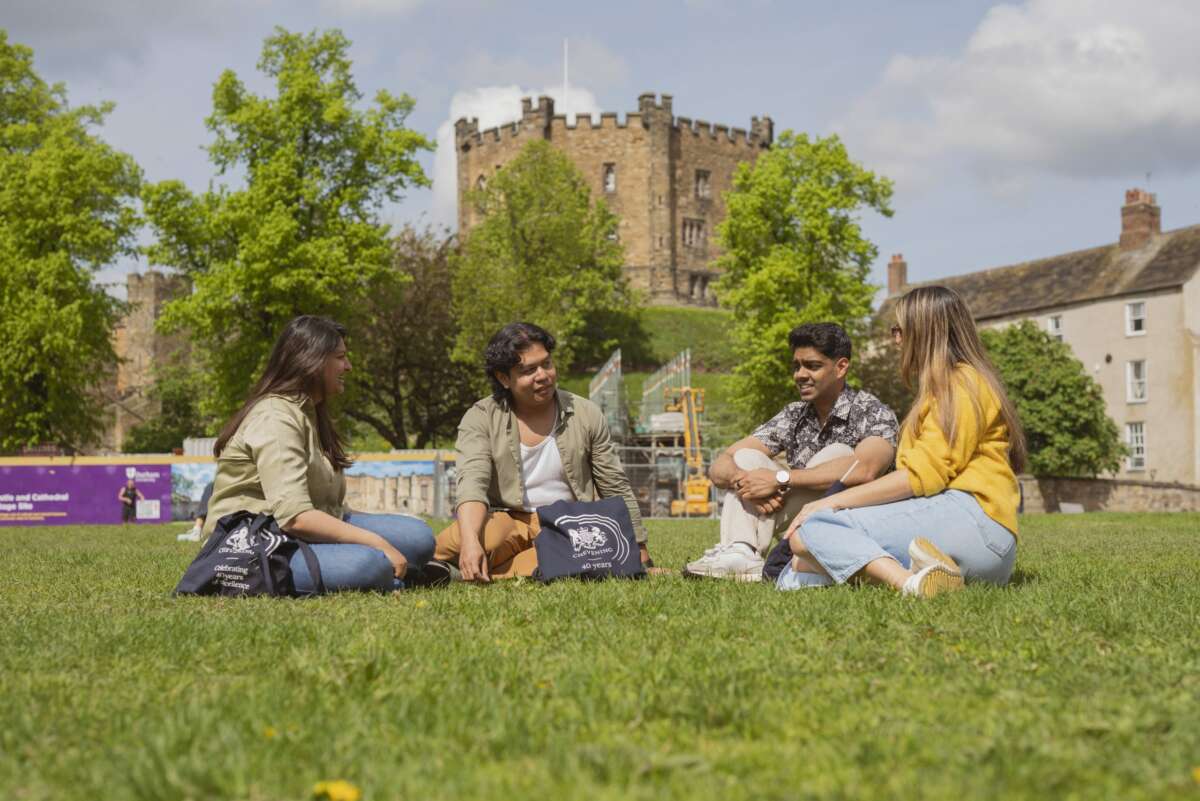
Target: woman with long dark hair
(948,513)
(281,454)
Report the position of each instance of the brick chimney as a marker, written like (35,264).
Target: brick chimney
(1141,218)
(897,274)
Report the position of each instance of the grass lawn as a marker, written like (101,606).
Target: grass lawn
(1081,680)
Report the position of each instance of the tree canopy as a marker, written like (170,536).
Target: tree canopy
(1062,408)
(66,210)
(545,252)
(794,252)
(303,234)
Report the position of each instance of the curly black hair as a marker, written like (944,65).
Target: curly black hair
(830,339)
(505,348)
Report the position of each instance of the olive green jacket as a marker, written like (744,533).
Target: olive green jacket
(489,456)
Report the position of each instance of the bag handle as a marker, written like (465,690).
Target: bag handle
(314,567)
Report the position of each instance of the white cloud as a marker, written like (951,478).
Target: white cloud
(1076,88)
(591,63)
(372,7)
(493,106)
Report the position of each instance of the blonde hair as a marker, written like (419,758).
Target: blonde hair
(938,335)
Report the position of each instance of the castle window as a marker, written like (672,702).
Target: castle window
(702,189)
(693,280)
(610,177)
(693,233)
(704,286)
(481,183)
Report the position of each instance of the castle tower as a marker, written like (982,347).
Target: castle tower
(663,176)
(141,349)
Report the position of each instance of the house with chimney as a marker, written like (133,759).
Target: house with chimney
(1130,311)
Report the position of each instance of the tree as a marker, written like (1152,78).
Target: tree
(547,253)
(66,210)
(176,389)
(1061,407)
(404,383)
(876,366)
(304,235)
(794,253)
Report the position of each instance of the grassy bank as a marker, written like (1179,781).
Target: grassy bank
(1080,680)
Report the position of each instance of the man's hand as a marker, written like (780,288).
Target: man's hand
(472,561)
(756,484)
(766,506)
(399,563)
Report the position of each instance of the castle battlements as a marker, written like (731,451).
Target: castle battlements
(539,118)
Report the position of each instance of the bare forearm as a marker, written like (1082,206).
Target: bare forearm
(892,487)
(317,526)
(471,517)
(821,476)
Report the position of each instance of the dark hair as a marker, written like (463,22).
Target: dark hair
(830,339)
(297,367)
(505,348)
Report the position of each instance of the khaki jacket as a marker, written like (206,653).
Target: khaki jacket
(274,464)
(489,456)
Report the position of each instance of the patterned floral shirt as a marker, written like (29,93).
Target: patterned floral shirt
(796,431)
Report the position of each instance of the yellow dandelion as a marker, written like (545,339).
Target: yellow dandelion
(421,604)
(270,732)
(339,790)
(1196,774)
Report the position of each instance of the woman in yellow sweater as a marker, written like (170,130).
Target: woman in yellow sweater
(948,512)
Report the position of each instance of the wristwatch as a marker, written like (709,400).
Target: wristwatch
(784,479)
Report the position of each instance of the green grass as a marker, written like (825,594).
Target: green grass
(671,329)
(1081,680)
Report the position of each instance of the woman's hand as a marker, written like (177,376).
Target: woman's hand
(399,563)
(810,509)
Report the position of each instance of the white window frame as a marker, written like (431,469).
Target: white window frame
(1054,326)
(1135,438)
(609,178)
(703,189)
(1133,385)
(1129,319)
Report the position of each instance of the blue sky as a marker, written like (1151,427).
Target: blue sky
(1011,130)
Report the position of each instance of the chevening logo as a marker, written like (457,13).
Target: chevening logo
(595,536)
(587,538)
(240,540)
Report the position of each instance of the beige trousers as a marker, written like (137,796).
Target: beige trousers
(739,524)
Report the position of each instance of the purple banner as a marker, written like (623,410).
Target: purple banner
(32,495)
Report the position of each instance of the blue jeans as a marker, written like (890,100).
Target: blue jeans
(346,566)
(843,542)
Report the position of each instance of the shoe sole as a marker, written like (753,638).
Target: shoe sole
(939,580)
(924,553)
(746,577)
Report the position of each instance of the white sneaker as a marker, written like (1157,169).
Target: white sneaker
(930,581)
(736,560)
(191,535)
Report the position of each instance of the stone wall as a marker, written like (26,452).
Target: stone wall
(415,495)
(1107,495)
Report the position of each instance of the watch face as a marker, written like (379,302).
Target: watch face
(783,476)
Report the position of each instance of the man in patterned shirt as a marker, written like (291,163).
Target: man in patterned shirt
(833,434)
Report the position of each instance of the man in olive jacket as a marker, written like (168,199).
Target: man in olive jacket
(528,445)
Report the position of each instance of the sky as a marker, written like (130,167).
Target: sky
(1011,131)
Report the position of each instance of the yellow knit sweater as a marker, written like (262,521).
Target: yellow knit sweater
(977,460)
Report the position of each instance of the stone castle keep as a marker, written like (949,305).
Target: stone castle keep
(663,176)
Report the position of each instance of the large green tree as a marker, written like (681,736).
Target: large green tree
(1061,407)
(303,234)
(66,210)
(794,252)
(404,384)
(545,252)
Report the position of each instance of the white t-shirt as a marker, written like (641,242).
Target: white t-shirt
(541,467)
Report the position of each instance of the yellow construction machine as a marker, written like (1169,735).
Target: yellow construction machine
(697,489)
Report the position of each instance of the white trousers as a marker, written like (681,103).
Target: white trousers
(740,524)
